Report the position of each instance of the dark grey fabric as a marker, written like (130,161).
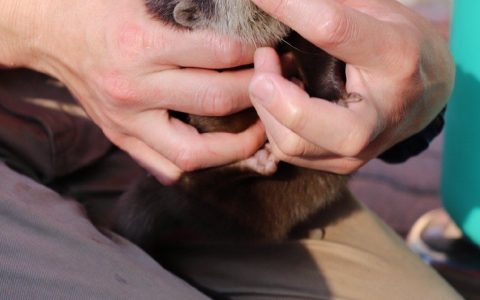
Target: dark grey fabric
(42,132)
(46,135)
(50,250)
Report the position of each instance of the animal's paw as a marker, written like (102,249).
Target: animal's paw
(263,162)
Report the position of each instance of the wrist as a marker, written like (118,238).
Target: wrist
(415,144)
(17,33)
(31,34)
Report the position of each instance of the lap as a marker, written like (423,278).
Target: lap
(345,252)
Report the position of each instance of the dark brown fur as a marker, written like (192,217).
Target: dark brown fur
(228,203)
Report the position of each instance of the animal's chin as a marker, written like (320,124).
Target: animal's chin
(263,36)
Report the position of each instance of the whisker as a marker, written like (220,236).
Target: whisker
(300,50)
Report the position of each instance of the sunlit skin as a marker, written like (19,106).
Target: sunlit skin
(127,70)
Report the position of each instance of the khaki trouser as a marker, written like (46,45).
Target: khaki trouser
(49,248)
(354,256)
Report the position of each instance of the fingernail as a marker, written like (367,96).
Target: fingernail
(263,90)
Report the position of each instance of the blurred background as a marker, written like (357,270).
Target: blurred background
(401,193)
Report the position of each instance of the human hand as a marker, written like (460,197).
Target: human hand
(395,59)
(127,70)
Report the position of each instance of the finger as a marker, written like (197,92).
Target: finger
(287,143)
(160,167)
(332,25)
(186,148)
(333,164)
(290,141)
(267,60)
(341,130)
(175,46)
(289,147)
(195,91)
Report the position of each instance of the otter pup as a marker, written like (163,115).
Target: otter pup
(236,201)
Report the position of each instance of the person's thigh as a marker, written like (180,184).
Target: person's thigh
(345,252)
(50,250)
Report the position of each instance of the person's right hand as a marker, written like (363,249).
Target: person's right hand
(128,69)
(395,60)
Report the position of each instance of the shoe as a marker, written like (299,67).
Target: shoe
(440,243)
(437,239)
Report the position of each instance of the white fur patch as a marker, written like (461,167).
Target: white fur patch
(247,21)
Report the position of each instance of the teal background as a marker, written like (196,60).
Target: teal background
(461,160)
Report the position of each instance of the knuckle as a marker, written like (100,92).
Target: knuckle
(215,100)
(354,143)
(228,52)
(280,155)
(114,136)
(120,139)
(185,159)
(347,166)
(412,67)
(132,39)
(129,38)
(408,65)
(292,147)
(120,90)
(295,118)
(335,30)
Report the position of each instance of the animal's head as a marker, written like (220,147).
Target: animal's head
(239,18)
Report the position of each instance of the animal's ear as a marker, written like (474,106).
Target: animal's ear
(188,14)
